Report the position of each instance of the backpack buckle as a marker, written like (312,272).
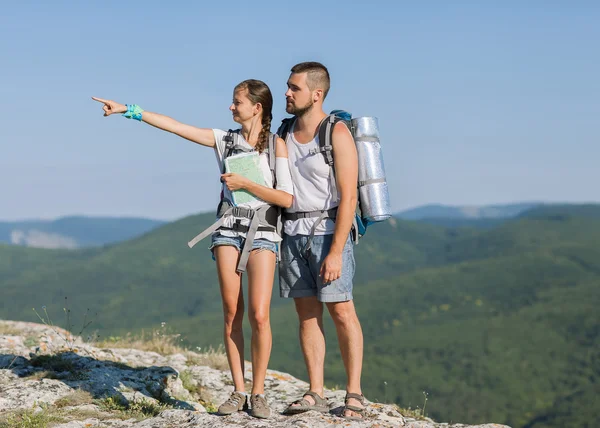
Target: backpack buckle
(320,149)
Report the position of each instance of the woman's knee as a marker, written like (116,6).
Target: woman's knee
(259,320)
(233,320)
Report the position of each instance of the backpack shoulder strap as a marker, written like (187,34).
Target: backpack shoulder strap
(284,128)
(325,133)
(326,147)
(231,141)
(233,145)
(272,148)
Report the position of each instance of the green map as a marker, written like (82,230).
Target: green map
(247,165)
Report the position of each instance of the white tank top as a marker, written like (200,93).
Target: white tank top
(312,186)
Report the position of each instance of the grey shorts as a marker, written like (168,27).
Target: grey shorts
(299,272)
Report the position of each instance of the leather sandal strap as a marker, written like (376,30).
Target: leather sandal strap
(354,408)
(319,401)
(302,402)
(358,397)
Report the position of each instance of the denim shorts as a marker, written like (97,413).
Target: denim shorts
(299,272)
(238,242)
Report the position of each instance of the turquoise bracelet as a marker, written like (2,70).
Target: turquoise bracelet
(134,111)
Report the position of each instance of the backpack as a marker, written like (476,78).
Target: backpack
(373,197)
(266,218)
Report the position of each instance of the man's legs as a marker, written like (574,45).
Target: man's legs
(312,340)
(297,281)
(337,295)
(350,338)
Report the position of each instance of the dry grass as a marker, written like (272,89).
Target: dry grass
(411,413)
(78,398)
(139,410)
(8,330)
(44,374)
(31,341)
(213,358)
(29,419)
(157,340)
(50,415)
(166,343)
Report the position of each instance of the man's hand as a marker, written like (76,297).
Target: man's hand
(235,181)
(111,107)
(331,269)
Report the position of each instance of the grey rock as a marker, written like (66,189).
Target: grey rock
(45,368)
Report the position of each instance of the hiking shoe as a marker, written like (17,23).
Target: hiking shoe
(260,407)
(236,402)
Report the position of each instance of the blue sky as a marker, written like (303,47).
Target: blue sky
(478,102)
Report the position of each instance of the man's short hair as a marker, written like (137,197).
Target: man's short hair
(317,75)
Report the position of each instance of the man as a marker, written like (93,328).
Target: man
(317,265)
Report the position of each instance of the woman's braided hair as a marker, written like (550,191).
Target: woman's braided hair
(259,92)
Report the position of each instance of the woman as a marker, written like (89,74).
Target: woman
(251,108)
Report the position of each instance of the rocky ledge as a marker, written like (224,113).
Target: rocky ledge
(48,378)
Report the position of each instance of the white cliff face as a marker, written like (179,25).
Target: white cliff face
(76,385)
(38,239)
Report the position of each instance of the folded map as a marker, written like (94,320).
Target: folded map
(247,165)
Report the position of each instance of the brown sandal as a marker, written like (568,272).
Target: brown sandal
(303,405)
(359,410)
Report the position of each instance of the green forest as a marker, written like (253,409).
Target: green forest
(496,323)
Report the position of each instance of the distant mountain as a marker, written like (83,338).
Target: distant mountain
(563,211)
(74,232)
(466,212)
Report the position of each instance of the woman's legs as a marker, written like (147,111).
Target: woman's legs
(261,271)
(233,310)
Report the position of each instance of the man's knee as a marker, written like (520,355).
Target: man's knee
(343,313)
(308,308)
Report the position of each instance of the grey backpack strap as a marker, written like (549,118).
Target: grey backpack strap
(312,231)
(354,231)
(325,131)
(332,213)
(232,145)
(231,140)
(284,128)
(320,215)
(259,214)
(272,166)
(326,148)
(209,230)
(272,154)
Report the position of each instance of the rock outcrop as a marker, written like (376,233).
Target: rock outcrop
(69,384)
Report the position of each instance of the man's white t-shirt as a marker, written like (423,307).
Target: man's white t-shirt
(313,189)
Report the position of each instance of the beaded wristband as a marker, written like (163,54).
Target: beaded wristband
(134,111)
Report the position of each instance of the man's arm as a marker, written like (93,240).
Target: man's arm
(345,160)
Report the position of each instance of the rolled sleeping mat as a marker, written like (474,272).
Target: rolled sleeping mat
(374,195)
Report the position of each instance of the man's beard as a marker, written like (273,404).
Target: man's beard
(299,111)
